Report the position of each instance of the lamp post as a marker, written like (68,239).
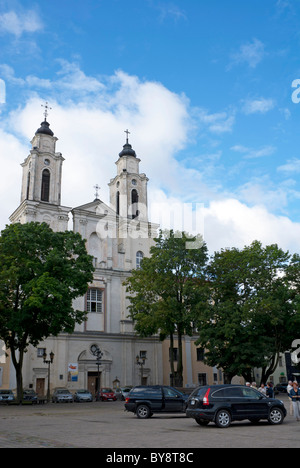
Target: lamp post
(96,351)
(48,361)
(141,362)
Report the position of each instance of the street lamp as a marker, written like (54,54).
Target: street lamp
(96,351)
(140,362)
(48,361)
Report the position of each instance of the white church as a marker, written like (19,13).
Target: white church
(118,236)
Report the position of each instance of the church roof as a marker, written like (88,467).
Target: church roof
(127,150)
(44,129)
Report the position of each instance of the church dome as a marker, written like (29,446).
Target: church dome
(45,129)
(127,151)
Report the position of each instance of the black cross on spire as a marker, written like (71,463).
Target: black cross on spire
(128,133)
(97,188)
(46,110)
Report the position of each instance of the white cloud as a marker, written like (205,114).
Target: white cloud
(230,223)
(219,122)
(251,53)
(18,24)
(252,153)
(90,128)
(292,166)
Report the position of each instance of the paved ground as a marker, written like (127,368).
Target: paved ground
(107,425)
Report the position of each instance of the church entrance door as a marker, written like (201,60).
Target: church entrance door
(94,382)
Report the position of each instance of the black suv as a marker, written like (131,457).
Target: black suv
(148,399)
(225,403)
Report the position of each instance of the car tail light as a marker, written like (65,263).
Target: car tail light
(126,400)
(205,398)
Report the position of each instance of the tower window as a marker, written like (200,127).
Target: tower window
(134,203)
(45,185)
(28,186)
(118,203)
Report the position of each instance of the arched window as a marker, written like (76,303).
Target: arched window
(139,258)
(118,203)
(45,185)
(134,203)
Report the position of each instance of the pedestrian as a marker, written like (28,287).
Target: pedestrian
(295,395)
(288,389)
(247,384)
(262,389)
(253,385)
(270,391)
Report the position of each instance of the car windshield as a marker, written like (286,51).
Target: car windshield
(106,390)
(82,391)
(5,392)
(62,391)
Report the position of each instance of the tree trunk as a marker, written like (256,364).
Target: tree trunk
(172,359)
(19,377)
(179,379)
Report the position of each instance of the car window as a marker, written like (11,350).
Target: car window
(199,392)
(219,393)
(151,391)
(170,392)
(250,393)
(231,392)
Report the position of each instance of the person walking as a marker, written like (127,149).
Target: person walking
(262,389)
(295,395)
(269,390)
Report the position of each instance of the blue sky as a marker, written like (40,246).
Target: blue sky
(205,88)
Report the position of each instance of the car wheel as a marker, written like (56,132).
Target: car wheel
(143,412)
(202,422)
(223,419)
(276,416)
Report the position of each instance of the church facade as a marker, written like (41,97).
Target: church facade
(103,350)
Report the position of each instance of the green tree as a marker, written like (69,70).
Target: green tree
(42,272)
(165,289)
(252,315)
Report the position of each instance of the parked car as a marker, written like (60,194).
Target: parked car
(62,395)
(122,392)
(30,395)
(6,396)
(223,404)
(106,394)
(83,395)
(144,400)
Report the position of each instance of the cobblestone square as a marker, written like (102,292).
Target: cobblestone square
(107,425)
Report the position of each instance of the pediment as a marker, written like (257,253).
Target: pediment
(97,207)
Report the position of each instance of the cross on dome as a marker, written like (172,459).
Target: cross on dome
(46,109)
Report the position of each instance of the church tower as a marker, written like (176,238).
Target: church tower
(128,190)
(41,182)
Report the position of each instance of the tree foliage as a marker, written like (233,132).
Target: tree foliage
(164,291)
(42,272)
(253,312)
